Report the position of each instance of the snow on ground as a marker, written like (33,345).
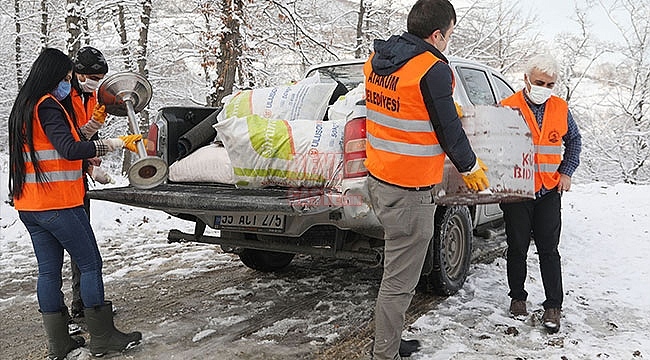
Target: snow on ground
(605,249)
(137,253)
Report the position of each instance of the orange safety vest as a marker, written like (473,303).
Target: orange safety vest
(64,188)
(402,147)
(548,139)
(82,112)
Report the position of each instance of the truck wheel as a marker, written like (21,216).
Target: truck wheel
(450,251)
(267,261)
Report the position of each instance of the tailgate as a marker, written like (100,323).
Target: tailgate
(203,197)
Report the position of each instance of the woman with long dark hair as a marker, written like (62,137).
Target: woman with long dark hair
(46,186)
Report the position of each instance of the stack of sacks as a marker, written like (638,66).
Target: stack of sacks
(275,137)
(267,152)
(299,153)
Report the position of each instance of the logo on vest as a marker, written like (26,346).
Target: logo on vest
(554,136)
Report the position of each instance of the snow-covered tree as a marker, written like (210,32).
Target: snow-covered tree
(495,32)
(620,119)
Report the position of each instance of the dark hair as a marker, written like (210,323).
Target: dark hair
(49,68)
(427,16)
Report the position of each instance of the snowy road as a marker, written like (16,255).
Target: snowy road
(191,301)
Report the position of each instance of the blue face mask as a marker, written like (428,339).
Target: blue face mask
(62,90)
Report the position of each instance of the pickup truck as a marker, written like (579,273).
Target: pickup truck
(267,227)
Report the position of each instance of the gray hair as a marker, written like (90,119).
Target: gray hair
(544,63)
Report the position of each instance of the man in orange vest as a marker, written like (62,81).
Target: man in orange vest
(552,126)
(411,124)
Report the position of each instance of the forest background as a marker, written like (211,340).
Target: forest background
(195,52)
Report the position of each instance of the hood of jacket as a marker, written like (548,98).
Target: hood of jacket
(392,54)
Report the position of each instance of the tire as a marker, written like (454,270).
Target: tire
(450,251)
(266,261)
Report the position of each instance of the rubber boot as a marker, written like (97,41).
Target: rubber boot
(104,337)
(60,343)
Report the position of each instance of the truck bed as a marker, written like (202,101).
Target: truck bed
(199,197)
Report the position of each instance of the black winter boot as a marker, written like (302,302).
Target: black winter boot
(408,347)
(104,337)
(60,343)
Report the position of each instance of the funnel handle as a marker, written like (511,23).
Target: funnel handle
(133,125)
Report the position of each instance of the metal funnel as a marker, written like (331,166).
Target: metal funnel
(127,93)
(120,87)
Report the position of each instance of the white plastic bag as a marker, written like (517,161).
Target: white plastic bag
(300,153)
(345,105)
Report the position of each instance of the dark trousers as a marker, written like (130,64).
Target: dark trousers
(540,218)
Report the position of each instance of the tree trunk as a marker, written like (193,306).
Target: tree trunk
(72,24)
(230,50)
(145,19)
(44,23)
(18,45)
(120,26)
(360,34)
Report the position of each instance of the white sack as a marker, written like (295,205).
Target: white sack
(209,163)
(306,101)
(300,153)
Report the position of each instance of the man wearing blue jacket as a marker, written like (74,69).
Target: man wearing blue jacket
(412,124)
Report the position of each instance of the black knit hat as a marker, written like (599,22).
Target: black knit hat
(90,61)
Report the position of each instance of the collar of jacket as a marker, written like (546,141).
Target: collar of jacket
(428,47)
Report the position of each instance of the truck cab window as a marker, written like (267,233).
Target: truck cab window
(504,90)
(476,85)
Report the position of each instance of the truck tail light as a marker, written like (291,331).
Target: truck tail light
(354,148)
(152,140)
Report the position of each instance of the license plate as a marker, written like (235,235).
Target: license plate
(258,222)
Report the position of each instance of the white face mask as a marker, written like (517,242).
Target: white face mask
(538,94)
(89,85)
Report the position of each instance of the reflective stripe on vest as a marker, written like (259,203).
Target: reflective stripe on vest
(398,147)
(64,187)
(404,149)
(400,135)
(548,139)
(55,176)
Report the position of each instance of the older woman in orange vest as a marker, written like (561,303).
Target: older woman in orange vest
(46,186)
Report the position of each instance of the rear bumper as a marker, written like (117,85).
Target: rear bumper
(304,208)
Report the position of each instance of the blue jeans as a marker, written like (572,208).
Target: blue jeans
(52,231)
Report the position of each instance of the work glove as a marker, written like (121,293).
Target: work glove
(95,123)
(130,140)
(105,146)
(459,109)
(476,179)
(99,113)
